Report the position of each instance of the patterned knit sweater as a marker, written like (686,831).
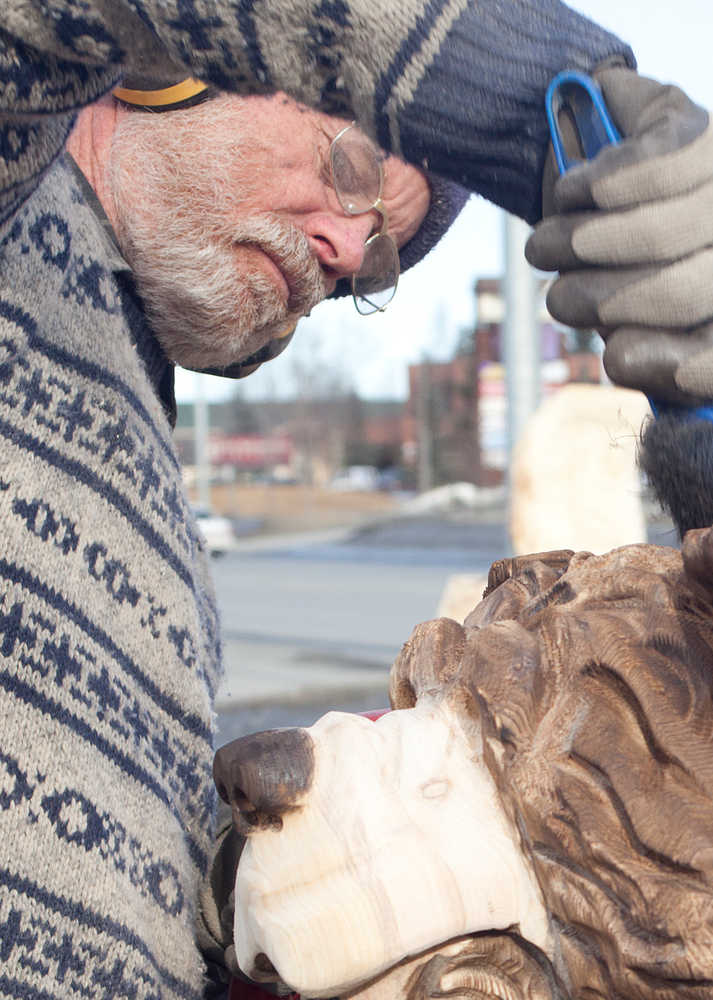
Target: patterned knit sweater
(454,85)
(109,652)
(109,647)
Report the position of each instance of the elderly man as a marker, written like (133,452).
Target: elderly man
(198,231)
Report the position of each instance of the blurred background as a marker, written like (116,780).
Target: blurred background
(365,479)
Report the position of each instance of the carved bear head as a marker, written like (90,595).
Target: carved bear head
(536,818)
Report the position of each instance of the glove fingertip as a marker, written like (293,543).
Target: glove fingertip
(617,364)
(573,190)
(532,251)
(566,305)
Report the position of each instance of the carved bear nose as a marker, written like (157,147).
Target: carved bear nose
(264,776)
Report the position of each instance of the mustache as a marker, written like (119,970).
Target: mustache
(288,247)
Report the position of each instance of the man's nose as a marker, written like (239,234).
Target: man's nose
(264,776)
(338,241)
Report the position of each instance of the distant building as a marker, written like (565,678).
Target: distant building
(305,440)
(250,451)
(452,427)
(456,414)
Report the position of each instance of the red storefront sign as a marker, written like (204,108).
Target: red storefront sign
(250,451)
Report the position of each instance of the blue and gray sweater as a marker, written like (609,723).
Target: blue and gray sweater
(109,640)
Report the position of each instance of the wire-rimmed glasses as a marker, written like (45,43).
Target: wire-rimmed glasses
(358,180)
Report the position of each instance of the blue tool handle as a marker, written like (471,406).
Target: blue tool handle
(584,101)
(581,95)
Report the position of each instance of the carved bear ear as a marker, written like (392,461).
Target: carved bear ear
(428,660)
(432,654)
(697,550)
(512,583)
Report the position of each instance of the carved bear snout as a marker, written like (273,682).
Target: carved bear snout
(264,776)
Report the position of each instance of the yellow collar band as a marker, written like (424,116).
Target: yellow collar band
(166,96)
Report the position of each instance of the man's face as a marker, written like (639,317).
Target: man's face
(227,215)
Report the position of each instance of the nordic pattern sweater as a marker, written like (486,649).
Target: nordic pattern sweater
(456,86)
(109,646)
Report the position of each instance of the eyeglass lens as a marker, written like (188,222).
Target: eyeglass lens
(358,181)
(374,286)
(356,172)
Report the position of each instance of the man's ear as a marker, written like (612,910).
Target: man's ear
(427,661)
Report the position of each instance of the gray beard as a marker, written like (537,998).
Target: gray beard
(208,312)
(205,309)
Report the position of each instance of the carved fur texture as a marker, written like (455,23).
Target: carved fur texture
(592,677)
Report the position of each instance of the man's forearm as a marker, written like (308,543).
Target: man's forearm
(454,84)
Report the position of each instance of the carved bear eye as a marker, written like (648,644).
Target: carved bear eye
(436,788)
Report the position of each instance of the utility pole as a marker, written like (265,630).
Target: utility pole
(522,352)
(425,427)
(200,440)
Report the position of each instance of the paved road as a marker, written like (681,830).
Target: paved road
(310,625)
(314,623)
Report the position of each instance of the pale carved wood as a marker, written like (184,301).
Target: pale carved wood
(378,859)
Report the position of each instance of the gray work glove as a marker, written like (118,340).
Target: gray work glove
(214,925)
(633,240)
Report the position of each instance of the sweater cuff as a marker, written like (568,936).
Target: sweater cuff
(477,115)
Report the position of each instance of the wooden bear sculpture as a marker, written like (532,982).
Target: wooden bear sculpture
(536,821)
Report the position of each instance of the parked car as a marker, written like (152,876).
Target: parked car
(217,531)
(356,478)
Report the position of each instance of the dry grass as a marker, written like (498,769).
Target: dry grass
(299,508)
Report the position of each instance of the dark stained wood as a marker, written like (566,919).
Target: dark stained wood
(263,776)
(427,660)
(593,679)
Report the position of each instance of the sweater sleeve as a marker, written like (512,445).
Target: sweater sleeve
(455,85)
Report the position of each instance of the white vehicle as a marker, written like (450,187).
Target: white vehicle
(356,478)
(216,530)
